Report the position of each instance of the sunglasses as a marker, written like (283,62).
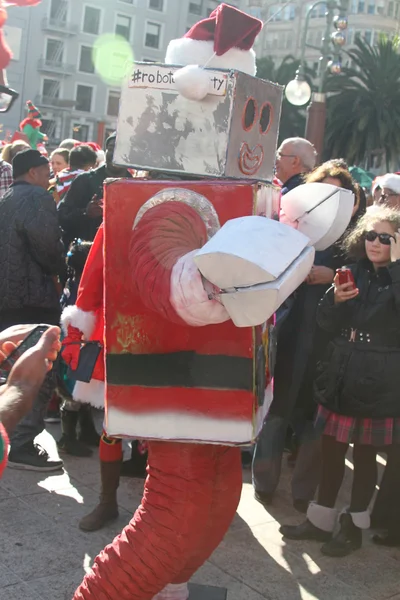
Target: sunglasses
(384,238)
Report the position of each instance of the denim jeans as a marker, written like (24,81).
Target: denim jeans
(33,423)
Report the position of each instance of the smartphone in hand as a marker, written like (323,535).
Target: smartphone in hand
(30,341)
(346,276)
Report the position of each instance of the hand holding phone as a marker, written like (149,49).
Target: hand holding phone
(345,287)
(30,340)
(345,276)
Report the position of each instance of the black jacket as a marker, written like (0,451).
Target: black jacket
(72,210)
(362,378)
(31,252)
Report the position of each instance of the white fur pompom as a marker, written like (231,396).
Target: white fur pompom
(192,82)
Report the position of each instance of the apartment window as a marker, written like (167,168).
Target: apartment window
(80,132)
(353,7)
(113,104)
(319,11)
(153,34)
(123,26)
(54,51)
(91,20)
(86,64)
(361,6)
(390,9)
(49,127)
(196,8)
(156,5)
(350,36)
(396,11)
(51,88)
(84,95)
(368,36)
(59,10)
(371,7)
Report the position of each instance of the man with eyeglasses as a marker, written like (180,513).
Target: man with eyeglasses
(390,190)
(295,157)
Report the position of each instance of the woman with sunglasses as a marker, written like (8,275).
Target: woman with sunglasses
(358,383)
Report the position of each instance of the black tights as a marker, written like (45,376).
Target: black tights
(333,464)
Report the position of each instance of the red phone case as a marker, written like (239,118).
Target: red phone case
(345,276)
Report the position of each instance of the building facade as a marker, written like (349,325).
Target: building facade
(54,64)
(282,35)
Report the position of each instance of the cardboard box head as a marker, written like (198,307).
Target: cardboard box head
(232,133)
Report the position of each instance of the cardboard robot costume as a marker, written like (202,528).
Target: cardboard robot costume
(178,371)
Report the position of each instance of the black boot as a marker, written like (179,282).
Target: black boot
(348,538)
(88,433)
(136,465)
(305,531)
(69,442)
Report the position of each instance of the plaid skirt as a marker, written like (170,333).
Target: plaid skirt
(350,430)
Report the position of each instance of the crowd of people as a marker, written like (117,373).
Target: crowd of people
(335,379)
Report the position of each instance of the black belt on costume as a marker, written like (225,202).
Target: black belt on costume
(181,369)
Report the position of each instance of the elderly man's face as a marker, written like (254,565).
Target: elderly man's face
(287,163)
(389,198)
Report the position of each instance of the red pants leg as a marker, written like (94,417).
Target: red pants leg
(226,491)
(161,542)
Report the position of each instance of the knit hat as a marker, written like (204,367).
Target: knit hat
(26,160)
(222,41)
(34,113)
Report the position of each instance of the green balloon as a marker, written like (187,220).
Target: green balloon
(112,56)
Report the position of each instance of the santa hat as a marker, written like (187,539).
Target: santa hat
(223,41)
(34,113)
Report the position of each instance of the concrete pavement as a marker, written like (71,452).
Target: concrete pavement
(43,554)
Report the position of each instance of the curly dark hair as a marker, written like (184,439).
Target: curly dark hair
(354,243)
(77,255)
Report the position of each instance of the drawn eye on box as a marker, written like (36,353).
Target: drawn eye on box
(232,133)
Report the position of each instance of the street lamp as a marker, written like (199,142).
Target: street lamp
(298,91)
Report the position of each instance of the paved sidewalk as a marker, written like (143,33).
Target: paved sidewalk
(43,555)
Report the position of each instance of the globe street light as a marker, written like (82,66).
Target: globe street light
(297,91)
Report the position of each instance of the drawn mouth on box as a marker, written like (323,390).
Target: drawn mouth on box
(250,159)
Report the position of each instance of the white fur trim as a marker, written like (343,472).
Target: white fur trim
(362,520)
(189,298)
(322,517)
(185,51)
(82,320)
(178,591)
(178,426)
(90,393)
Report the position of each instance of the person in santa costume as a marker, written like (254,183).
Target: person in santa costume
(210,38)
(173,351)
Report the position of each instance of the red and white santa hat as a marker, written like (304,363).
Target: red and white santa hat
(223,41)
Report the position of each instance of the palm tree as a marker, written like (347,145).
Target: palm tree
(293,117)
(364,103)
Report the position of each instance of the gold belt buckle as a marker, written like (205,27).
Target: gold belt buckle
(353,333)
